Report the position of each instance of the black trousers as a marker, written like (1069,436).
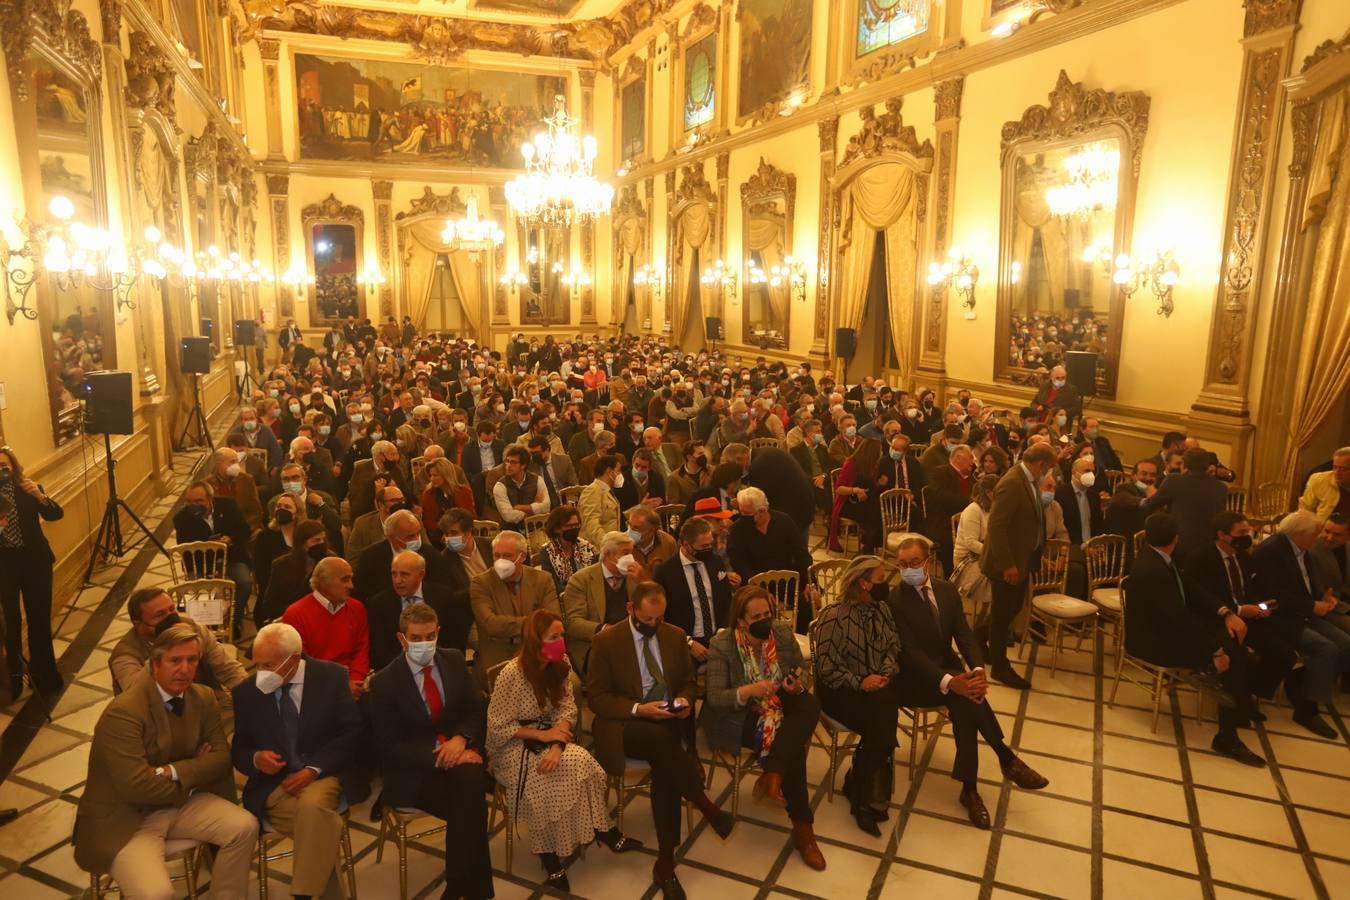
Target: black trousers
(787,756)
(20,578)
(969,720)
(1006,603)
(873,715)
(675,773)
(1277,655)
(459,796)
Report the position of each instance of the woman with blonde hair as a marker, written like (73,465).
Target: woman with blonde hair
(447,488)
(969,546)
(276,538)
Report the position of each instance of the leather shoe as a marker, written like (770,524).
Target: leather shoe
(975,809)
(377,808)
(769,787)
(670,888)
(866,819)
(1231,746)
(1004,674)
(722,823)
(805,840)
(1024,776)
(1312,721)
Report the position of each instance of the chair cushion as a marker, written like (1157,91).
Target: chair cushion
(803,644)
(893,540)
(1062,606)
(1107,598)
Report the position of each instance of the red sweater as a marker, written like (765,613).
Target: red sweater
(340,637)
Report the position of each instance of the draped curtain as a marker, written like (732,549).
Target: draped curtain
(764,235)
(1034,213)
(1324,359)
(881,199)
(422,245)
(695,231)
(630,235)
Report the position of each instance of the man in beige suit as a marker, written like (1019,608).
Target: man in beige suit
(597,505)
(149,609)
(503,596)
(598,595)
(159,769)
(1015,535)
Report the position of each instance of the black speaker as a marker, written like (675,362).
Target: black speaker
(1081,368)
(713,325)
(107,403)
(208,328)
(1071,297)
(245,332)
(195,355)
(845,342)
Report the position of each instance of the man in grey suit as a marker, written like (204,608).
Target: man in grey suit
(1194,497)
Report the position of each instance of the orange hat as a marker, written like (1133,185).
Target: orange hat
(710,508)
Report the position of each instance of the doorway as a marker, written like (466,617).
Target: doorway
(875,346)
(445,311)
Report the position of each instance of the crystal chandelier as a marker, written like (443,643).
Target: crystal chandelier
(559,187)
(471,232)
(1091,184)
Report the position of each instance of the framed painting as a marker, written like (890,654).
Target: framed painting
(633,119)
(700,82)
(384,111)
(775,54)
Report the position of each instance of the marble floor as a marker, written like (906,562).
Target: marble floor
(1129,812)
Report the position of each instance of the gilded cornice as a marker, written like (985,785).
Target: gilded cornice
(1326,50)
(382,190)
(199,154)
(1040,8)
(1267,15)
(151,78)
(886,133)
(629,205)
(110,18)
(693,185)
(331,209)
(278,185)
(433,203)
(947,98)
(1075,110)
(768,182)
(703,16)
(66,30)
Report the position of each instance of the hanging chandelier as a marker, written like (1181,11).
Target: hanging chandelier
(471,232)
(559,187)
(1090,185)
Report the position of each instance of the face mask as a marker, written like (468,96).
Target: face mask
(284,516)
(421,653)
(597,427)
(571,534)
(1061,421)
(1047,497)
(760,629)
(414,544)
(554,651)
(232,470)
(455,543)
(851,431)
(1087,479)
(174,618)
(199,511)
(634,535)
(618,480)
(644,629)
(292,487)
(639,475)
(870,404)
(897,455)
(1242,542)
(1142,487)
(250,424)
(1091,433)
(317,552)
(914,577)
(625,564)
(268,682)
(707,556)
(274,392)
(504,568)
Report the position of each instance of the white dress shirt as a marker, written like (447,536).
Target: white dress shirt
(329,605)
(509,513)
(693,569)
(647,680)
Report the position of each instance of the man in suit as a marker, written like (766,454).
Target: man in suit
(1015,534)
(159,769)
(151,612)
(408,572)
(1057,393)
(430,726)
(643,484)
(204,517)
(940,452)
(928,617)
(898,469)
(1082,508)
(315,463)
(1195,497)
(503,596)
(947,494)
(599,508)
(1102,451)
(814,461)
(1331,566)
(1162,627)
(368,529)
(483,454)
(598,595)
(257,434)
(697,587)
(296,730)
(368,474)
(666,455)
(1125,512)
(721,489)
(465,556)
(1284,567)
(641,688)
(763,539)
(320,505)
(651,544)
(402,531)
(553,468)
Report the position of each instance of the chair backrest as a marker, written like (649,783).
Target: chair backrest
(825,575)
(535,535)
(956,524)
(670,516)
(493,673)
(1113,479)
(917,450)
(1105,559)
(834,476)
(486,528)
(197,559)
(756,443)
(1237,499)
(570,495)
(207,601)
(1124,580)
(782,586)
(896,506)
(1138,543)
(1270,500)
(1053,573)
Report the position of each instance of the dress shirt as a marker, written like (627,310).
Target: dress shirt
(297,683)
(486,456)
(503,501)
(409,599)
(693,569)
(926,592)
(166,697)
(329,605)
(647,680)
(1301,556)
(1237,589)
(473,561)
(1084,511)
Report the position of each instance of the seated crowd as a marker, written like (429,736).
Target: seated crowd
(456,552)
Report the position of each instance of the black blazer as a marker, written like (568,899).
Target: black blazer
(287,583)
(782,480)
(1073,519)
(404,732)
(372,569)
(628,494)
(225,522)
(1278,569)
(1195,498)
(1206,570)
(1159,625)
(330,727)
(383,609)
(680,603)
(894,473)
(926,651)
(30,511)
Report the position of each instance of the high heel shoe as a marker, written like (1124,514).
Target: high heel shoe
(557,873)
(617,841)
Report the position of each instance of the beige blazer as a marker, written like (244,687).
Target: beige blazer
(500,613)
(599,512)
(583,606)
(218,669)
(131,740)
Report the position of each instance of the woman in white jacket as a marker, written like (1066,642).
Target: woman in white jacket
(969,545)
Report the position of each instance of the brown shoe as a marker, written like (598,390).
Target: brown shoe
(975,809)
(1024,776)
(769,786)
(805,840)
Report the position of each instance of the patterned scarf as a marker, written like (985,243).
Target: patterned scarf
(761,667)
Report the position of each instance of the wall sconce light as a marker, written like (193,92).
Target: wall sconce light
(1015,272)
(792,271)
(652,279)
(297,278)
(513,281)
(959,272)
(1161,275)
(576,278)
(722,276)
(372,279)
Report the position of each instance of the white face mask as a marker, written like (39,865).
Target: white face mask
(421,653)
(269,681)
(1087,479)
(414,544)
(625,564)
(618,480)
(504,568)
(232,470)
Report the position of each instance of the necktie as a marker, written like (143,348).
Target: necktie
(705,607)
(1235,579)
(658,691)
(549,486)
(615,581)
(176,705)
(928,595)
(431,693)
(290,727)
(1176,573)
(904,472)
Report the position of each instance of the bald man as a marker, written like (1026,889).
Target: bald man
(408,572)
(332,623)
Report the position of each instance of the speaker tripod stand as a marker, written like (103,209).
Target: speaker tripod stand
(196,424)
(248,383)
(108,545)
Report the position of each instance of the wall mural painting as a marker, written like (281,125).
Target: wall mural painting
(633,104)
(882,23)
(358,109)
(775,51)
(700,82)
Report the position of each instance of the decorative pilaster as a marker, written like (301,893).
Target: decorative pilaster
(270,48)
(946,128)
(383,192)
(671,287)
(829,135)
(279,201)
(497,265)
(586,77)
(723,171)
(649,189)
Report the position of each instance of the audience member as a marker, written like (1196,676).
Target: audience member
(1329,492)
(332,623)
(289,573)
(26,562)
(503,596)
(696,587)
(368,528)
(402,531)
(947,495)
(598,595)
(204,517)
(566,552)
(408,571)
(227,479)
(652,545)
(518,493)
(764,539)
(152,612)
(971,533)
(1194,497)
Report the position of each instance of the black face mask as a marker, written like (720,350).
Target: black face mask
(644,629)
(168,622)
(6,475)
(285,517)
(538,458)
(571,534)
(199,511)
(1242,543)
(761,629)
(317,552)
(707,557)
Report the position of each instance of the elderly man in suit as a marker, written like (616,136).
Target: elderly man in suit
(402,531)
(430,727)
(151,612)
(598,506)
(641,689)
(368,529)
(503,596)
(697,587)
(1057,393)
(205,517)
(1015,536)
(947,495)
(598,595)
(1195,497)
(296,730)
(651,545)
(258,434)
(551,466)
(408,572)
(159,769)
(645,486)
(666,455)
(928,618)
(368,474)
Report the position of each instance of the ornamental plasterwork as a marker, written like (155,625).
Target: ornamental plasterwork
(433,203)
(66,30)
(694,185)
(885,133)
(331,209)
(1075,110)
(770,182)
(150,76)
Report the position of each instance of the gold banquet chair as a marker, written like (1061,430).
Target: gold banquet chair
(485,528)
(825,576)
(208,602)
(190,852)
(897,506)
(268,836)
(197,559)
(786,593)
(837,734)
(1155,679)
(1051,605)
(848,529)
(1104,556)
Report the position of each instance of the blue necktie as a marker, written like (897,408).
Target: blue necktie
(290,728)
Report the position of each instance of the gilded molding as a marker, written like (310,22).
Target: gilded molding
(270,49)
(1075,110)
(947,98)
(1040,8)
(1303,121)
(693,186)
(628,205)
(770,182)
(886,133)
(1326,50)
(883,64)
(937,294)
(701,17)
(828,131)
(723,166)
(1267,15)
(199,154)
(278,185)
(110,18)
(331,209)
(151,78)
(382,190)
(66,30)
(433,203)
(635,68)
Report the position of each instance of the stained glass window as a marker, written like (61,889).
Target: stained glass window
(882,23)
(700,82)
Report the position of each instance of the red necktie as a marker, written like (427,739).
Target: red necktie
(433,695)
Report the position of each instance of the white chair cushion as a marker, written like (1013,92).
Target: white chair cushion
(1107,598)
(803,644)
(1062,606)
(893,540)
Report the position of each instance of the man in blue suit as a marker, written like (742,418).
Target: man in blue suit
(296,730)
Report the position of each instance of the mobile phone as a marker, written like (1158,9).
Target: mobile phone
(1264,607)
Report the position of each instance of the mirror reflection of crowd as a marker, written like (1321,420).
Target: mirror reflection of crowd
(1039,341)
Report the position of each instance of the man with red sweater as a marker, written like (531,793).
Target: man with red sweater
(332,623)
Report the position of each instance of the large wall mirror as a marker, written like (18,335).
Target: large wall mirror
(545,258)
(333,245)
(57,116)
(767,201)
(1069,174)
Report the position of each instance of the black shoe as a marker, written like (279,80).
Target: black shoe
(1311,720)
(557,873)
(1004,674)
(617,841)
(880,813)
(722,823)
(1231,746)
(867,820)
(670,888)
(377,809)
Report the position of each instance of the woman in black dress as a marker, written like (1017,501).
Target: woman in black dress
(26,561)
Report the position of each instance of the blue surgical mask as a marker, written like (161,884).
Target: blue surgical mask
(421,653)
(640,476)
(851,431)
(817,438)
(293,487)
(414,545)
(1047,497)
(914,577)
(1141,487)
(635,535)
(455,543)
